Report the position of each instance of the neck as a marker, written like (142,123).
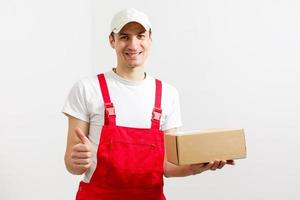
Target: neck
(133,74)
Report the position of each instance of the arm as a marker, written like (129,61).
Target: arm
(172,170)
(78,151)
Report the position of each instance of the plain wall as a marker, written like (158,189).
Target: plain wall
(235,64)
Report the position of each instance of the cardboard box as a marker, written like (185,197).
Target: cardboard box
(204,146)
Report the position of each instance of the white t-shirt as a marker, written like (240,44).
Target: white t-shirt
(133,102)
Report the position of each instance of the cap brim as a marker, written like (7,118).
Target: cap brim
(119,28)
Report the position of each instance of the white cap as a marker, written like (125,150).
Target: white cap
(129,15)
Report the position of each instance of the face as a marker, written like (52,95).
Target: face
(132,45)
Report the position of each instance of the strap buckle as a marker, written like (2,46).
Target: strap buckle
(156,113)
(109,109)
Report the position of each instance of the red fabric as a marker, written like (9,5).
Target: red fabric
(130,160)
(110,116)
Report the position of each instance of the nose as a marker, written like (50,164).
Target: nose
(133,44)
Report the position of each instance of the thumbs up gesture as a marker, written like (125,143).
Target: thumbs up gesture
(81,156)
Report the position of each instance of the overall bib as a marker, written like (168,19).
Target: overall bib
(130,159)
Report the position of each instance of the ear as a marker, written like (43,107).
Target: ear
(112,41)
(150,34)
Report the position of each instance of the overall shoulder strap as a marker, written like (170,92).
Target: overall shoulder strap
(109,110)
(156,113)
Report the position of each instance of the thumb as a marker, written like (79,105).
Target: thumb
(81,136)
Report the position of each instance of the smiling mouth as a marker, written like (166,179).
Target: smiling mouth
(133,54)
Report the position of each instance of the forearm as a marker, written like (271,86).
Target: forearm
(171,170)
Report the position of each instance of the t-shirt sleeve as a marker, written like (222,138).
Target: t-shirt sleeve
(173,118)
(76,102)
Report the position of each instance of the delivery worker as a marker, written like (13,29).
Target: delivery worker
(117,122)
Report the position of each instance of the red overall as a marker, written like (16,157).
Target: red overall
(130,159)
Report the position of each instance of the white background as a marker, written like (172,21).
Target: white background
(235,64)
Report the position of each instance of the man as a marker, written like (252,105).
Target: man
(117,122)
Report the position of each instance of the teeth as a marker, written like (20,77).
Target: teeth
(132,54)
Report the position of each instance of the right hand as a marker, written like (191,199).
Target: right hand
(213,165)
(81,155)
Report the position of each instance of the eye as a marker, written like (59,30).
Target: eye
(141,36)
(124,37)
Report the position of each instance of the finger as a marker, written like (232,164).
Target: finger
(81,161)
(81,136)
(84,167)
(83,155)
(230,162)
(222,164)
(215,165)
(81,148)
(208,166)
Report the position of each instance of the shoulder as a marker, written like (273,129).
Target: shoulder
(169,89)
(86,87)
(92,82)
(169,92)
(87,81)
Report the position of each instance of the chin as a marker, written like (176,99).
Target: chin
(134,65)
